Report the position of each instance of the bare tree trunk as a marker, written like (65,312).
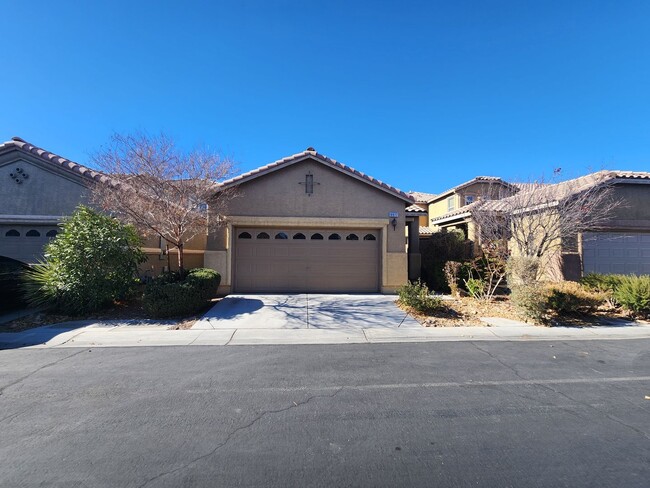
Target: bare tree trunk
(181,266)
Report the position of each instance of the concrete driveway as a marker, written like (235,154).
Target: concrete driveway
(306,311)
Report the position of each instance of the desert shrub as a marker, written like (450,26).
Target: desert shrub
(452,275)
(633,293)
(603,283)
(569,297)
(89,264)
(543,301)
(530,301)
(416,295)
(169,295)
(522,270)
(436,251)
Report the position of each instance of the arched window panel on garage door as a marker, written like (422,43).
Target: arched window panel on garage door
(334,237)
(352,237)
(12,233)
(299,235)
(33,233)
(244,235)
(52,233)
(317,237)
(263,235)
(281,235)
(369,237)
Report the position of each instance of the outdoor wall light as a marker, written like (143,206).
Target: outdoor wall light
(394,223)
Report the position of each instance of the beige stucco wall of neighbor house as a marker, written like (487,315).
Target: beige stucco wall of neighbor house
(278,199)
(42,198)
(46,191)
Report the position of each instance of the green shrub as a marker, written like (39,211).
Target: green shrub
(633,293)
(607,283)
(89,264)
(205,281)
(569,297)
(416,295)
(170,296)
(475,287)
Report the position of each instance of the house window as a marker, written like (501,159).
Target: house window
(299,235)
(469,199)
(317,237)
(369,237)
(352,237)
(244,235)
(33,233)
(263,235)
(334,237)
(12,233)
(281,235)
(451,203)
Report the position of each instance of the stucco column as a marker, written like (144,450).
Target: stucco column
(414,257)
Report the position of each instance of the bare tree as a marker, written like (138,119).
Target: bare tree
(162,190)
(541,219)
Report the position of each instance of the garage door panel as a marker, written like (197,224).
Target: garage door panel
(306,264)
(616,252)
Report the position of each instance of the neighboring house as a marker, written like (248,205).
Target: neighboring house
(38,189)
(621,245)
(303,223)
(451,209)
(307,222)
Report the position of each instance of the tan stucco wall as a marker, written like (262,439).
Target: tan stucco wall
(46,192)
(439,207)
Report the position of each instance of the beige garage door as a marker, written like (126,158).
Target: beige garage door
(616,252)
(299,260)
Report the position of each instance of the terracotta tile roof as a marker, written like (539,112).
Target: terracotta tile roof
(312,154)
(426,231)
(575,186)
(477,179)
(549,193)
(421,197)
(51,158)
(416,208)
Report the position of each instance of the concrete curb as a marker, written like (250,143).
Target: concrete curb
(122,335)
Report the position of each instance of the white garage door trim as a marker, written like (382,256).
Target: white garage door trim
(306,260)
(616,252)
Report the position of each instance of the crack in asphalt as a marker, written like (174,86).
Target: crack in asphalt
(502,363)
(23,378)
(603,413)
(235,432)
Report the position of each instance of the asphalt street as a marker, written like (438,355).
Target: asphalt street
(457,414)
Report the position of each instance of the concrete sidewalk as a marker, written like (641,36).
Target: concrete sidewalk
(120,334)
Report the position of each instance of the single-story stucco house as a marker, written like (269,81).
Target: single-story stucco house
(303,223)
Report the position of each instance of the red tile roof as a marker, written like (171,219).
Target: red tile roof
(312,154)
(422,197)
(416,208)
(59,161)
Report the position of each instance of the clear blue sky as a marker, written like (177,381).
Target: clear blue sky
(422,95)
